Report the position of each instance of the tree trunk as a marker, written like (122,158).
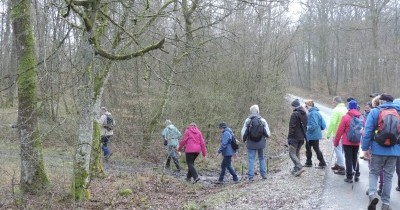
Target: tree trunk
(33,176)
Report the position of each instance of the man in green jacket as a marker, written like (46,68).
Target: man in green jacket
(336,115)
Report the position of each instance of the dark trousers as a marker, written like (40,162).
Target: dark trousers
(104,147)
(315,145)
(227,164)
(294,153)
(350,155)
(190,158)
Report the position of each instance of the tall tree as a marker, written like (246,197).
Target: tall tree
(33,175)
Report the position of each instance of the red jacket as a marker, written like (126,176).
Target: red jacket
(193,141)
(343,128)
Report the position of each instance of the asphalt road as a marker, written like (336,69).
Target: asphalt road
(339,195)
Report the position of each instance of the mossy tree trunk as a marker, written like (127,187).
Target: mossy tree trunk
(33,175)
(96,22)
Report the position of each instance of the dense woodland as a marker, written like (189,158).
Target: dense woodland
(200,61)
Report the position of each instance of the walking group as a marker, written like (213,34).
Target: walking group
(376,131)
(255,131)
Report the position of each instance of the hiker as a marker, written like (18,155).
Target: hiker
(296,136)
(397,101)
(254,133)
(315,125)
(336,115)
(367,109)
(383,155)
(349,131)
(227,152)
(171,136)
(107,124)
(194,143)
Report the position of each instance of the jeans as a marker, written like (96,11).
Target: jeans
(351,153)
(388,163)
(227,164)
(104,147)
(315,145)
(339,153)
(294,153)
(190,158)
(251,156)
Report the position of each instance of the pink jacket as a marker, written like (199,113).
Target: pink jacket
(343,128)
(193,141)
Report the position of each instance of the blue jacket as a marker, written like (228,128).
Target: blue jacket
(370,126)
(226,147)
(315,124)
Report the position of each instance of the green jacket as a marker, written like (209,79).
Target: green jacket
(336,116)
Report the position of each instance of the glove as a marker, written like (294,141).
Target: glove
(165,142)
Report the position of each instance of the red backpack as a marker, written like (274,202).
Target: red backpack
(388,127)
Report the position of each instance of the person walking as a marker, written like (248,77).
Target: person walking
(171,136)
(336,115)
(254,132)
(194,143)
(397,101)
(349,131)
(315,125)
(107,123)
(227,152)
(296,136)
(382,156)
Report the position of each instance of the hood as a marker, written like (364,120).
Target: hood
(227,129)
(396,101)
(171,126)
(254,115)
(301,110)
(354,112)
(313,109)
(193,129)
(390,105)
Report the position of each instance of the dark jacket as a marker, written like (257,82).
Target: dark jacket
(298,121)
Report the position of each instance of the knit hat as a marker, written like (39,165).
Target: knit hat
(353,104)
(222,125)
(295,103)
(386,97)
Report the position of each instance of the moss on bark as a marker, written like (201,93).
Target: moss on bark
(96,166)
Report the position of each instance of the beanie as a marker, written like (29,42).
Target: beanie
(222,125)
(353,104)
(295,103)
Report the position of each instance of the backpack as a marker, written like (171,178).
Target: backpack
(255,130)
(109,124)
(388,127)
(355,127)
(234,143)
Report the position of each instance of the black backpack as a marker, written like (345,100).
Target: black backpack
(255,129)
(109,122)
(234,143)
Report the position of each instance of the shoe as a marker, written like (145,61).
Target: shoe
(398,188)
(361,157)
(236,182)
(386,207)
(264,177)
(348,180)
(320,167)
(188,179)
(219,182)
(341,171)
(299,172)
(356,178)
(308,165)
(250,179)
(373,200)
(379,192)
(335,167)
(196,180)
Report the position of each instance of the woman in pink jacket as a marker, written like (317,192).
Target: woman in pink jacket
(193,142)
(349,131)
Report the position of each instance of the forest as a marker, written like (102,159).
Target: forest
(202,61)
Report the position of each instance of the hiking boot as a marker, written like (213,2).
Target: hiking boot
(373,200)
(348,180)
(236,182)
(357,178)
(341,171)
(307,165)
(299,172)
(386,207)
(188,179)
(335,167)
(264,177)
(196,180)
(219,182)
